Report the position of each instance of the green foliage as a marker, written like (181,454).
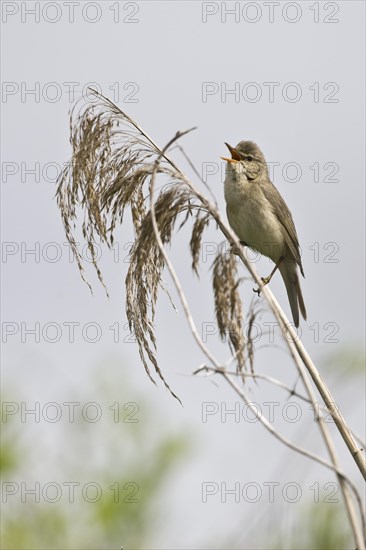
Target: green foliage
(131,462)
(320,526)
(347,359)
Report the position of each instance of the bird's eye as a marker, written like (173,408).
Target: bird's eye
(250,158)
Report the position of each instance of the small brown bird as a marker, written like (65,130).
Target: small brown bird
(261,219)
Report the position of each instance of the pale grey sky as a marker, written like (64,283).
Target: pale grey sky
(288,75)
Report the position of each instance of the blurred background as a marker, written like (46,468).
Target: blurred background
(93,455)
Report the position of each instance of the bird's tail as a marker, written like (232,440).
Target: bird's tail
(291,279)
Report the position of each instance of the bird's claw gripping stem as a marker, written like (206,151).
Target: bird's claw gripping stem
(265,281)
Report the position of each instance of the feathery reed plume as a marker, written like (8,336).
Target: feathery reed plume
(110,169)
(228,307)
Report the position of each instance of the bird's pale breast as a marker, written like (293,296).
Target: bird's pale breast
(251,216)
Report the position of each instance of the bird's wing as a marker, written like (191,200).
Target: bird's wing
(283,214)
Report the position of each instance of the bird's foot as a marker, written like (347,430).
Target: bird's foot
(265,281)
(234,249)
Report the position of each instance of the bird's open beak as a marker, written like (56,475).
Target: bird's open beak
(235,157)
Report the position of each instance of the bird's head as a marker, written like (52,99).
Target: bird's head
(248,159)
